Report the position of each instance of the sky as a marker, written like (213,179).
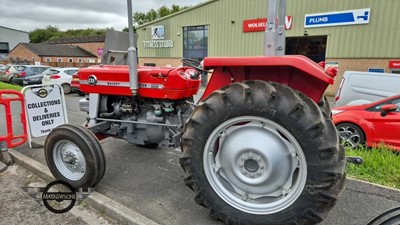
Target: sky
(27,15)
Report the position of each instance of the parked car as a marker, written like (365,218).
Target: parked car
(75,85)
(27,71)
(370,124)
(37,79)
(63,77)
(7,73)
(358,88)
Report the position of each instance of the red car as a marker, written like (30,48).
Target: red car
(370,124)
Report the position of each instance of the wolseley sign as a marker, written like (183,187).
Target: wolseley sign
(258,25)
(394,64)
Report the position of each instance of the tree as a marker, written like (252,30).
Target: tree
(40,35)
(140,18)
(52,32)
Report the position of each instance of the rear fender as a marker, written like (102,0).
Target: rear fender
(297,72)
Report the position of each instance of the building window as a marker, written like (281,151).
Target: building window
(70,60)
(80,60)
(59,59)
(89,60)
(48,60)
(195,42)
(4,47)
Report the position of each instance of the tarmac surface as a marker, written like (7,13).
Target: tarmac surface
(17,207)
(151,183)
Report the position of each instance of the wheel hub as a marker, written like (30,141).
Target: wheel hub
(251,165)
(257,165)
(69,160)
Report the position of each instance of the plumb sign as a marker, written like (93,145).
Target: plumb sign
(349,17)
(45,108)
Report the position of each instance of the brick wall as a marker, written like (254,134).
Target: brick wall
(355,65)
(91,47)
(174,62)
(344,65)
(21,52)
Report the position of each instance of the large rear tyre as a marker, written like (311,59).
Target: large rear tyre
(391,217)
(261,153)
(74,154)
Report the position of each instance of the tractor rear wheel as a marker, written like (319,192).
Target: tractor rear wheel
(74,154)
(257,152)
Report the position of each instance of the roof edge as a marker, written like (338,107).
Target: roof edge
(15,29)
(177,13)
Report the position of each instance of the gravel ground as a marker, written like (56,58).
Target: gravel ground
(17,207)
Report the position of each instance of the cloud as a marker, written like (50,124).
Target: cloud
(74,14)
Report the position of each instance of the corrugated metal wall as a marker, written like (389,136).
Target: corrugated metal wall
(378,39)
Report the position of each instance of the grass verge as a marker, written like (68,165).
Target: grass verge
(381,166)
(5,86)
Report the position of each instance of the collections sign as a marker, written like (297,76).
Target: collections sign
(258,25)
(44,108)
(349,17)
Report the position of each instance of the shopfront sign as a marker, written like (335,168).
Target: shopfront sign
(394,64)
(340,18)
(159,44)
(258,25)
(157,32)
(376,70)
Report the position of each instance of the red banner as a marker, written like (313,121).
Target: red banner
(258,25)
(394,64)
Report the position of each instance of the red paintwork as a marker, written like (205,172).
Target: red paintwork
(298,72)
(12,139)
(377,129)
(176,82)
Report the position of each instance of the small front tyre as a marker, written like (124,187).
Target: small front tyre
(257,152)
(74,154)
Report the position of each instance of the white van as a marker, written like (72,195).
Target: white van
(357,88)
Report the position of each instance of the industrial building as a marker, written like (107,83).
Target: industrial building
(360,35)
(9,38)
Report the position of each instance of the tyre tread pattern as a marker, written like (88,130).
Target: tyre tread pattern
(325,157)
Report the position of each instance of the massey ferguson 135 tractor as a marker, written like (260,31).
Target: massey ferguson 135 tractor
(259,147)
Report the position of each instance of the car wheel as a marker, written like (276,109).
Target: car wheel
(10,79)
(351,135)
(66,88)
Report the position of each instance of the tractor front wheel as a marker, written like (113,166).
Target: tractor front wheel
(74,154)
(261,153)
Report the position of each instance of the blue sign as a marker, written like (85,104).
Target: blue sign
(376,70)
(349,17)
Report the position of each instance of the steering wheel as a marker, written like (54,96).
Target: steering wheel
(194,64)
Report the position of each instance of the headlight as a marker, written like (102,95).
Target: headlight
(336,111)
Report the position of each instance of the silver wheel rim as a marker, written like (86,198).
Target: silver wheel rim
(69,160)
(349,136)
(255,165)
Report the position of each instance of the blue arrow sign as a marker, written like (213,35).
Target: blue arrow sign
(349,17)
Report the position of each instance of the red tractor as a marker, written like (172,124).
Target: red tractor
(259,147)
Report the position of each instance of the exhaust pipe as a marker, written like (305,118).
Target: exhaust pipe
(132,54)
